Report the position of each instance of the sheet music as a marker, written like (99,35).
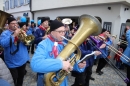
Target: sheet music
(86,57)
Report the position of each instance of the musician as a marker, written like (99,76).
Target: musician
(44,60)
(39,23)
(15,56)
(121,44)
(82,79)
(127,51)
(117,58)
(66,23)
(24,27)
(71,34)
(102,62)
(40,32)
(32,28)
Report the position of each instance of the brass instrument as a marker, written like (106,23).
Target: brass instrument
(58,19)
(114,36)
(3,19)
(47,31)
(67,21)
(123,42)
(26,39)
(88,26)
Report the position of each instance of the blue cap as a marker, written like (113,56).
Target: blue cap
(39,22)
(32,21)
(23,19)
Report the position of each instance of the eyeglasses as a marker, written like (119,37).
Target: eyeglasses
(61,31)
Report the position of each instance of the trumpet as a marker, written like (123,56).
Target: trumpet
(26,39)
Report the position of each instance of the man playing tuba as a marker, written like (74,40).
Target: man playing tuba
(44,60)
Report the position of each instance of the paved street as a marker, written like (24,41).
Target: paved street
(109,78)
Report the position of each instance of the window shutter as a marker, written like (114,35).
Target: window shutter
(10,3)
(21,2)
(15,3)
(28,1)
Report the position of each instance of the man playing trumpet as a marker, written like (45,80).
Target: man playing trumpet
(15,56)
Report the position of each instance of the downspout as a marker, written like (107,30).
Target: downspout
(30,5)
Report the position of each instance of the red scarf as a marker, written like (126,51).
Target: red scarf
(54,48)
(42,28)
(15,38)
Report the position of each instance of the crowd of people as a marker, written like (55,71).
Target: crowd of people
(46,47)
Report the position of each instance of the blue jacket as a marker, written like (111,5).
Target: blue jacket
(32,29)
(44,62)
(127,50)
(18,59)
(38,35)
(87,48)
(105,50)
(29,32)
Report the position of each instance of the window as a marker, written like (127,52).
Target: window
(28,19)
(12,4)
(19,2)
(15,3)
(122,29)
(7,5)
(26,2)
(107,26)
(42,17)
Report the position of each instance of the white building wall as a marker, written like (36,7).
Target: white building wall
(51,4)
(95,10)
(19,9)
(116,15)
(1,4)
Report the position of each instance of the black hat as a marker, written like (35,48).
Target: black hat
(55,24)
(21,24)
(44,19)
(10,19)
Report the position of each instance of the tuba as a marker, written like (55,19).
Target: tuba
(3,19)
(89,25)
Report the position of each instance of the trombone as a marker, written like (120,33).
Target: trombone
(123,42)
(96,43)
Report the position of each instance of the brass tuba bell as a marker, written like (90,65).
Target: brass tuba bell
(3,19)
(89,25)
